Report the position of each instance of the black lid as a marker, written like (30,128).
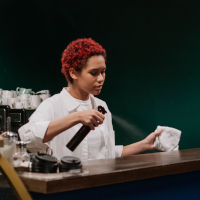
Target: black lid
(46,158)
(43,165)
(44,170)
(70,161)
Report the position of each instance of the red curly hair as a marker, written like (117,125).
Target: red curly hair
(77,54)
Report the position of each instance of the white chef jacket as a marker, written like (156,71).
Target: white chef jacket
(56,107)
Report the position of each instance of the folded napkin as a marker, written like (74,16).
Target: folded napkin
(168,140)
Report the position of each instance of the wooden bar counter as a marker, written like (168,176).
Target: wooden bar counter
(119,170)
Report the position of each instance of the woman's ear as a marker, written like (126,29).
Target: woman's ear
(73,73)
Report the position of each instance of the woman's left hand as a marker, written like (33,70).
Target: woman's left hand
(150,139)
(143,145)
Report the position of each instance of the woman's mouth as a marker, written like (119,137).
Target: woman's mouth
(99,87)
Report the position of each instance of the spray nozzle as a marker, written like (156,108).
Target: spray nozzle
(101,109)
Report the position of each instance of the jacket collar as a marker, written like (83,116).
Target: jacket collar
(72,104)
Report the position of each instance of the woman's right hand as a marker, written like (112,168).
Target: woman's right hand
(91,118)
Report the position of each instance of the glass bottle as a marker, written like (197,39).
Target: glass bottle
(21,158)
(9,149)
(10,139)
(17,158)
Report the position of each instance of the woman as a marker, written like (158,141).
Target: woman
(58,118)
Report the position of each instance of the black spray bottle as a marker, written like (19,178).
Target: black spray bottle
(82,132)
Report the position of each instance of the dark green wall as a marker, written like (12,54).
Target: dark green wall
(153,47)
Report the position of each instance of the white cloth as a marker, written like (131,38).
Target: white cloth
(168,140)
(56,107)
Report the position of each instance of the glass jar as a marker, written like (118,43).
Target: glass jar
(17,158)
(21,158)
(10,139)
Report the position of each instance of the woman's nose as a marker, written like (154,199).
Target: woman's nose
(100,78)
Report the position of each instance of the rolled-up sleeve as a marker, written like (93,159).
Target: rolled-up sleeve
(118,150)
(34,131)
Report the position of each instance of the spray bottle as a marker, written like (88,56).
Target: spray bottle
(82,132)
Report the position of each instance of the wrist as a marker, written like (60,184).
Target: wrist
(144,145)
(77,117)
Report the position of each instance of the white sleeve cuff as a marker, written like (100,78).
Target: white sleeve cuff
(39,129)
(118,151)
(34,134)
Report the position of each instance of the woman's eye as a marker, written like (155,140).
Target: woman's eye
(96,74)
(93,74)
